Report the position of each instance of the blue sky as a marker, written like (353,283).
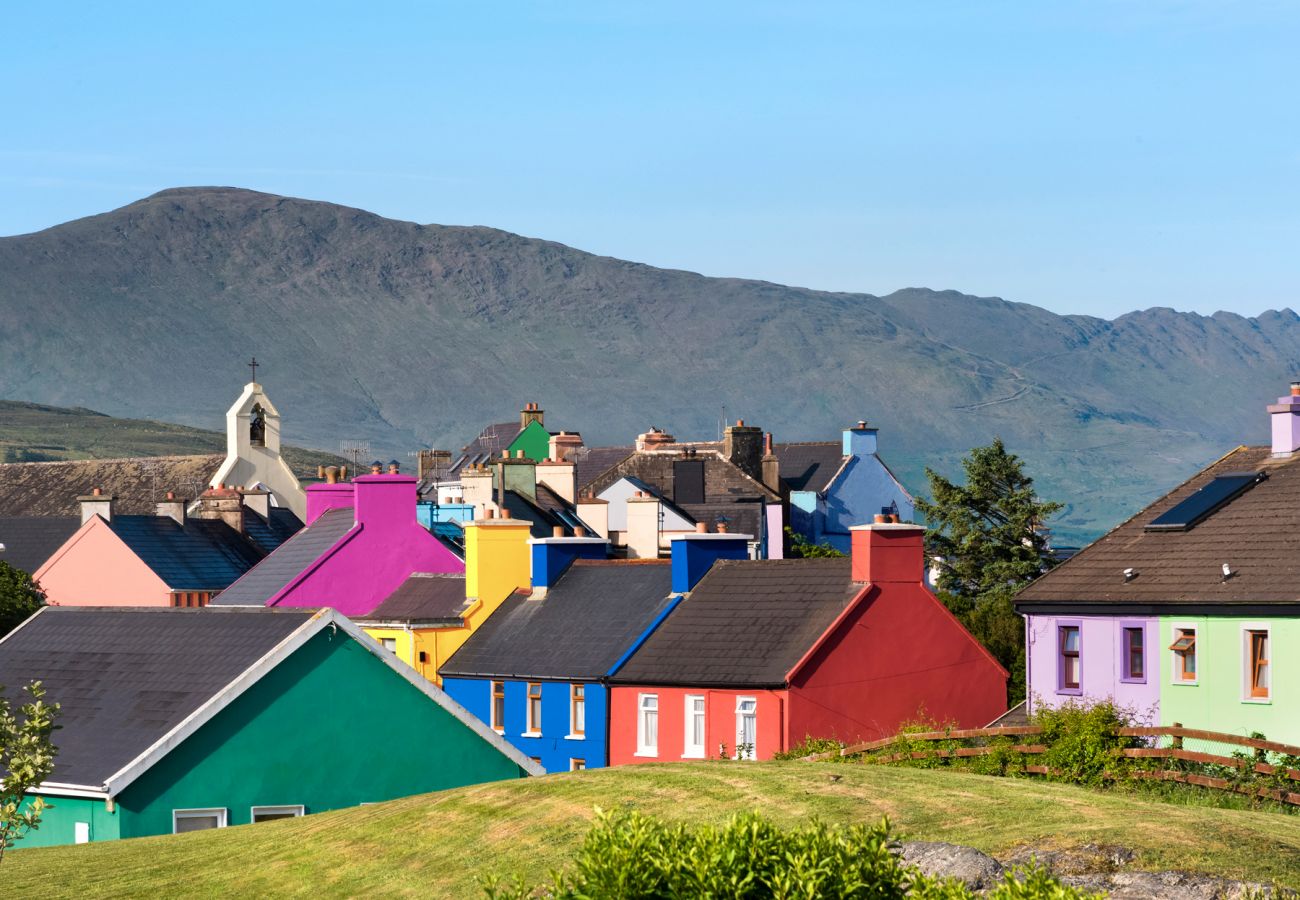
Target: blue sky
(1087,157)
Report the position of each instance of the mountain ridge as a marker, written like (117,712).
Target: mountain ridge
(404,333)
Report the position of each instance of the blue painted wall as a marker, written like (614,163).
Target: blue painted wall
(427,512)
(554,747)
(693,557)
(552,559)
(862,490)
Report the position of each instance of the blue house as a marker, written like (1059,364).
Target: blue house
(835,485)
(537,670)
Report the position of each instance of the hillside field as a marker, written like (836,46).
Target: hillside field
(439,844)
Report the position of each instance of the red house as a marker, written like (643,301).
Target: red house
(764,653)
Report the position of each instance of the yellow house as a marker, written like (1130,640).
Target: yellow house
(430,616)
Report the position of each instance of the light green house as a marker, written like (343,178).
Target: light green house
(178,720)
(1188,612)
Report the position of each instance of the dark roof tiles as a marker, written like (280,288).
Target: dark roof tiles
(30,540)
(204,554)
(809,466)
(746,624)
(274,573)
(424,597)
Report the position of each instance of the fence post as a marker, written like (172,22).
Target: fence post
(1177,741)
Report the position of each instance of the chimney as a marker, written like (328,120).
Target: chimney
(742,445)
(1285,416)
(888,552)
(695,553)
(96,503)
(860,440)
(529,414)
(560,475)
(564,443)
(496,558)
(222,503)
(476,488)
(654,439)
(552,557)
(642,535)
(172,508)
(771,465)
(258,501)
(384,501)
(518,473)
(595,512)
(333,494)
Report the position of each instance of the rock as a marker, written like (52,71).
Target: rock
(976,870)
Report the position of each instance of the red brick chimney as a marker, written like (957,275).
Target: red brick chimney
(888,552)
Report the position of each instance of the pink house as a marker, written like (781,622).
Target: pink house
(361,542)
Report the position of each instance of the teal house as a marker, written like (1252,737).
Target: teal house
(178,720)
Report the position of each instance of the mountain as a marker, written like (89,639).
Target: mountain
(31,432)
(406,334)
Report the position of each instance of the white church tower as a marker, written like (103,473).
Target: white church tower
(253,451)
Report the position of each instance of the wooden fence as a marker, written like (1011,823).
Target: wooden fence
(1176,750)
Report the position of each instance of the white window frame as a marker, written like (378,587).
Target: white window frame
(292,809)
(385,641)
(531,728)
(689,750)
(222,814)
(574,734)
(642,748)
(752,753)
(1246,673)
(1175,664)
(81,832)
(498,726)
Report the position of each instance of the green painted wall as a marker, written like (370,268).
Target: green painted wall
(1215,701)
(330,727)
(58,822)
(534,440)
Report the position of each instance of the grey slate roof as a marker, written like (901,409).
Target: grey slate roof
(424,597)
(30,540)
(1255,533)
(274,573)
(809,466)
(271,532)
(592,462)
(578,631)
(136,483)
(745,624)
(125,677)
(488,445)
(204,554)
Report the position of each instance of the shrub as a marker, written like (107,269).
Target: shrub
(1081,738)
(631,856)
(809,746)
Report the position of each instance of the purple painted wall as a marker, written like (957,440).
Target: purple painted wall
(1103,673)
(775,532)
(381,551)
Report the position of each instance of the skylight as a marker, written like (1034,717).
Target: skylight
(1205,502)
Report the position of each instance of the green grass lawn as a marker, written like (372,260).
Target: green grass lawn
(437,844)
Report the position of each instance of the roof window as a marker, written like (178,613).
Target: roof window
(1205,502)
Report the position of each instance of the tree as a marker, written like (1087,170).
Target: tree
(19,597)
(988,541)
(802,548)
(26,760)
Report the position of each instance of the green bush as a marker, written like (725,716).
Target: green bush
(809,746)
(631,856)
(1081,739)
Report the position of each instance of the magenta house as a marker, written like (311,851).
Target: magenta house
(361,542)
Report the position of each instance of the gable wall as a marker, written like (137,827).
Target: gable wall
(95,568)
(330,727)
(898,655)
(861,491)
(534,440)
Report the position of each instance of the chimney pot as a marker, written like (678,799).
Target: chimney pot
(701,527)
(171,495)
(96,491)
(394,468)
(881,519)
(320,472)
(579,531)
(519,454)
(489,513)
(557,531)
(343,473)
(376,467)
(1295,389)
(722,528)
(740,423)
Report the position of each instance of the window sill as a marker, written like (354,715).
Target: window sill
(646,755)
(1178,682)
(1070,692)
(530,734)
(1257,701)
(692,756)
(575,737)
(1132,681)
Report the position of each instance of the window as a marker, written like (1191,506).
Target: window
(746,727)
(1068,638)
(694,732)
(1257,680)
(534,708)
(1184,647)
(577,765)
(577,710)
(498,706)
(1133,653)
(389,644)
(81,832)
(184,820)
(647,725)
(271,813)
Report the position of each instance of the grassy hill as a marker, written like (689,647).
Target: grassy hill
(406,334)
(31,432)
(437,844)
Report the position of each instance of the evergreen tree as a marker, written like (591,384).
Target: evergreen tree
(19,597)
(988,541)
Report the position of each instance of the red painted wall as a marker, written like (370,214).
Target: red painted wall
(900,653)
(719,722)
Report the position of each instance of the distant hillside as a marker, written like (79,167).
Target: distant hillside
(30,432)
(405,334)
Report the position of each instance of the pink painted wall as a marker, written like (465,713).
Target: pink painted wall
(322,497)
(94,568)
(775,532)
(719,722)
(385,546)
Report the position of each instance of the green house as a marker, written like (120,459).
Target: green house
(179,720)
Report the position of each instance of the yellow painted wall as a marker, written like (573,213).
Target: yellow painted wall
(497,563)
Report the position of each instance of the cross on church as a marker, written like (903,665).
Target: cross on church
(253,364)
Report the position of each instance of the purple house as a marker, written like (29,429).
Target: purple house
(361,542)
(1120,666)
